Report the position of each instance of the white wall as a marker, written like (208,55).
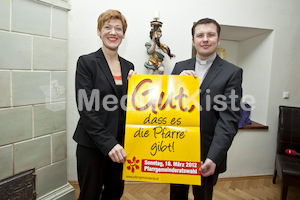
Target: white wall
(254,57)
(252,152)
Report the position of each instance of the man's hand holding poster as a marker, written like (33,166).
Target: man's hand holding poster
(162,137)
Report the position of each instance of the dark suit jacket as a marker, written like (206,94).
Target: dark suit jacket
(98,128)
(218,128)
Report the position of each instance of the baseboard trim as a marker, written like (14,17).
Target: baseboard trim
(219,179)
(243,177)
(66,192)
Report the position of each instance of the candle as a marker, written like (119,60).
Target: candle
(156,14)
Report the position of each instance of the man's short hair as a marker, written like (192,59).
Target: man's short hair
(207,21)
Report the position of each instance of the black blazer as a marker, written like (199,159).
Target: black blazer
(218,128)
(98,128)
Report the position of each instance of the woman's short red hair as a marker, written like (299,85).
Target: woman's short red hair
(111,14)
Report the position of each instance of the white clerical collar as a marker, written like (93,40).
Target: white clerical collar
(206,62)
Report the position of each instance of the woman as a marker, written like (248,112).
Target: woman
(101,81)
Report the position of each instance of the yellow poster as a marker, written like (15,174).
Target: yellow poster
(162,136)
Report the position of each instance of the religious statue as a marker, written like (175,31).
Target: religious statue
(155,48)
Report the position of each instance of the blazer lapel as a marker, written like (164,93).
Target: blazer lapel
(105,68)
(191,64)
(212,73)
(124,72)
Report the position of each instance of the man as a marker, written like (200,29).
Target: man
(221,91)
